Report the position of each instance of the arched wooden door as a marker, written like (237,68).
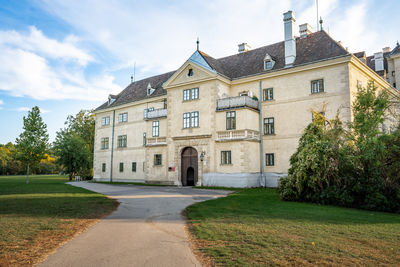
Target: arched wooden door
(189,168)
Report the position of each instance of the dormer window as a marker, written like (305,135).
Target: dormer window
(268,62)
(111,99)
(190,72)
(150,90)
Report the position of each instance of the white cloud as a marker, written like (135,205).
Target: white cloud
(23,109)
(160,37)
(1,102)
(36,42)
(36,66)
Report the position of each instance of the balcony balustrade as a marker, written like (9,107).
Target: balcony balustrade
(156,141)
(157,113)
(236,102)
(238,135)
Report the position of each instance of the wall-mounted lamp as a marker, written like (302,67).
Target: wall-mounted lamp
(202,154)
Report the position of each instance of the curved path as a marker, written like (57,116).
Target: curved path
(147,229)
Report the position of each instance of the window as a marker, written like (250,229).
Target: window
(190,72)
(226,157)
(146,111)
(269,159)
(123,117)
(104,143)
(121,167)
(133,166)
(144,139)
(186,95)
(195,93)
(121,141)
(103,167)
(317,86)
(191,119)
(269,127)
(190,94)
(231,120)
(394,85)
(268,94)
(105,121)
(157,159)
(156,128)
(268,65)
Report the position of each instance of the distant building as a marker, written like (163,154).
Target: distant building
(200,124)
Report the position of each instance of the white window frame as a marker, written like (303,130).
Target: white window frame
(123,117)
(105,121)
(156,128)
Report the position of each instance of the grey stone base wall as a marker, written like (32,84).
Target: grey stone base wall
(119,180)
(239,180)
(271,179)
(242,180)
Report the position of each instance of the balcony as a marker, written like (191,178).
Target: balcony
(237,102)
(157,113)
(156,141)
(238,135)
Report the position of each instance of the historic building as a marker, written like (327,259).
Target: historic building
(236,120)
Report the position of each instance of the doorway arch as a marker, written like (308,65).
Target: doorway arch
(189,168)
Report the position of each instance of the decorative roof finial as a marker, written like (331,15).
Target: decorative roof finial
(197,42)
(131,78)
(320,22)
(397,42)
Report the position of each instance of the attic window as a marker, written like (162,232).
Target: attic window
(150,90)
(268,62)
(190,72)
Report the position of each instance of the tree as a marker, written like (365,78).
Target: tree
(72,153)
(83,125)
(32,142)
(369,109)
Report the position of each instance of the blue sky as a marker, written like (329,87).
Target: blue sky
(64,56)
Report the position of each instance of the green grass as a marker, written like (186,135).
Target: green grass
(36,217)
(254,227)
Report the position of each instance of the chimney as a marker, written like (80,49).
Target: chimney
(243,47)
(378,58)
(305,29)
(386,49)
(290,40)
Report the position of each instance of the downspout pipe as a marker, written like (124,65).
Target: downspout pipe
(262,181)
(112,147)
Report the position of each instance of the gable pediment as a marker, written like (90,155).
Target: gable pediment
(195,69)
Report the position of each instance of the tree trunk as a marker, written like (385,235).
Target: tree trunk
(70,176)
(27,174)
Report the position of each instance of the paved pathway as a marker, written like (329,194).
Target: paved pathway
(146,230)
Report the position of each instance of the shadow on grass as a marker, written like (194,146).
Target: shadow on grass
(260,204)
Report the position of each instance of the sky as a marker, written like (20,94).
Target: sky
(64,56)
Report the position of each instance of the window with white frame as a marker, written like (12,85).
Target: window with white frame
(226,157)
(123,117)
(190,94)
(231,120)
(104,143)
(156,128)
(269,159)
(105,121)
(157,159)
(268,94)
(269,127)
(121,141)
(317,86)
(191,119)
(121,167)
(133,166)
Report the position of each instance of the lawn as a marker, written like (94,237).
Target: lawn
(254,227)
(36,218)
